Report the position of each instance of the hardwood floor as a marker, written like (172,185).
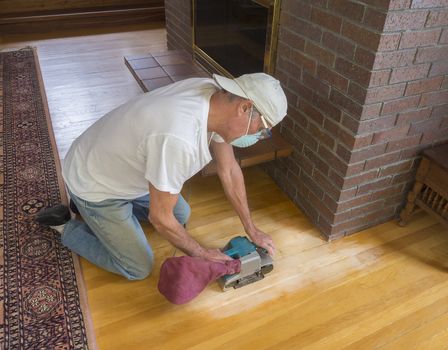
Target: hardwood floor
(384,288)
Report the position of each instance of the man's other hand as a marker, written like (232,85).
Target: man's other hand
(263,240)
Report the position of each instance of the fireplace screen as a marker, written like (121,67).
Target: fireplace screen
(233,37)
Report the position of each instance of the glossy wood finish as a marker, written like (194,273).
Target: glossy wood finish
(384,288)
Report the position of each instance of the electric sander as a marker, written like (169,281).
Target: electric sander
(255,263)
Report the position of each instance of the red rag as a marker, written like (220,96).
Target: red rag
(182,278)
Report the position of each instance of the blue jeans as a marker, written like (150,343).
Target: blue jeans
(111,236)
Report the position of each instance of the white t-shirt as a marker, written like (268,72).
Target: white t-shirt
(158,137)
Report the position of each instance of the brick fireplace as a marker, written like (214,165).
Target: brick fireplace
(367,86)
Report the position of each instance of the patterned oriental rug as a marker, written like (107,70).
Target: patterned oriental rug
(41,292)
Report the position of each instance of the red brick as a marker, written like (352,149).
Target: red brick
(291,95)
(445,83)
(353,71)
(439,68)
(297,117)
(394,59)
(389,41)
(283,50)
(434,135)
(339,132)
(424,126)
(411,152)
(345,102)
(444,124)
(313,113)
(344,154)
(440,111)
(431,54)
(379,78)
(399,4)
(291,39)
(355,168)
(349,215)
(391,134)
(385,93)
(374,186)
(354,202)
(405,20)
(428,3)
(434,98)
(299,89)
(298,8)
(347,194)
(362,141)
(420,38)
(324,211)
(361,35)
(321,135)
(381,4)
(418,87)
(399,105)
(343,47)
(326,20)
(317,161)
(410,141)
(364,57)
(371,111)
(332,77)
(357,180)
(305,137)
(374,19)
(312,186)
(368,152)
(413,116)
(303,60)
(444,37)
(335,162)
(303,28)
(357,92)
(326,184)
(372,125)
(396,168)
(317,85)
(404,178)
(437,18)
(350,123)
(323,56)
(347,9)
(327,107)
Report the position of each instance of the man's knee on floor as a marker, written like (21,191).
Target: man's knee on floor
(139,270)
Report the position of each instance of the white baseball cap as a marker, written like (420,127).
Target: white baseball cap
(264,90)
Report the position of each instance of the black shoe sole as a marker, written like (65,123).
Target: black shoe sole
(54,216)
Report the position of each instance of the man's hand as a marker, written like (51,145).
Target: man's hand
(263,240)
(215,255)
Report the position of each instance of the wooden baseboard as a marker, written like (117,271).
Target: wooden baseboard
(75,19)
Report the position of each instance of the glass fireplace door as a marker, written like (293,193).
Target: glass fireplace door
(234,36)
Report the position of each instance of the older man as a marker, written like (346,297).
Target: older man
(132,163)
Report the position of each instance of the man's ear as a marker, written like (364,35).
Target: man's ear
(244,106)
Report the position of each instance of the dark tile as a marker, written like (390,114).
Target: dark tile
(137,57)
(144,63)
(150,73)
(174,59)
(152,84)
(180,69)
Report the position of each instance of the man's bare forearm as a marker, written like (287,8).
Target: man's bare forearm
(178,236)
